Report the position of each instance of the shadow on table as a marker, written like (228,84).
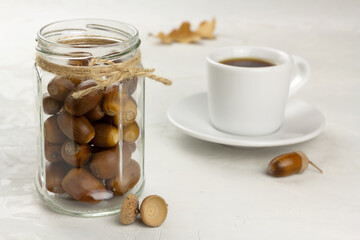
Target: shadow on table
(214,151)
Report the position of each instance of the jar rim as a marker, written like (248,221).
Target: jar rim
(129,34)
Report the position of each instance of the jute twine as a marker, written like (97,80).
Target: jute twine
(103,71)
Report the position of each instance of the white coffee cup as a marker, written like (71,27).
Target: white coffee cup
(252,100)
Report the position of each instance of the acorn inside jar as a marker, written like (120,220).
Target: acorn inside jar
(88,133)
(91,146)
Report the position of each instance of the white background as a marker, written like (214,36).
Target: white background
(213,191)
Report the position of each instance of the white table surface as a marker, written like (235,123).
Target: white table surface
(213,191)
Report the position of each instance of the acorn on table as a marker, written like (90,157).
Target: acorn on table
(290,163)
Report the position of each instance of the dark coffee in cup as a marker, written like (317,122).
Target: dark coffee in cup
(247,62)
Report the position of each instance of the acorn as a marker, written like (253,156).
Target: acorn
(96,113)
(78,129)
(52,132)
(289,163)
(95,149)
(113,98)
(115,120)
(114,56)
(80,106)
(76,155)
(109,119)
(113,156)
(131,85)
(126,180)
(106,135)
(125,155)
(60,87)
(54,174)
(131,146)
(127,115)
(131,133)
(128,112)
(50,104)
(133,100)
(83,186)
(78,62)
(52,152)
(105,164)
(79,59)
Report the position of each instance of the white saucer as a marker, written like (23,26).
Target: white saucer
(302,122)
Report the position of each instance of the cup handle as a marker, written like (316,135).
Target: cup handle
(302,75)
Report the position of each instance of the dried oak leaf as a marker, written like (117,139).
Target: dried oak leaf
(181,35)
(206,29)
(164,38)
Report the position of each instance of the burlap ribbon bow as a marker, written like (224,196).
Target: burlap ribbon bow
(104,72)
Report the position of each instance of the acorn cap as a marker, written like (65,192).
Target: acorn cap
(304,161)
(153,210)
(129,209)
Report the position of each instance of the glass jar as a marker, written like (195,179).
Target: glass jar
(90,148)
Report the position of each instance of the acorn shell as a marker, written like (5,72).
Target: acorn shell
(96,113)
(80,106)
(131,133)
(83,186)
(110,120)
(52,132)
(128,113)
(114,97)
(131,146)
(75,154)
(126,155)
(60,87)
(126,180)
(52,152)
(287,164)
(131,85)
(106,135)
(50,104)
(55,173)
(105,164)
(78,129)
